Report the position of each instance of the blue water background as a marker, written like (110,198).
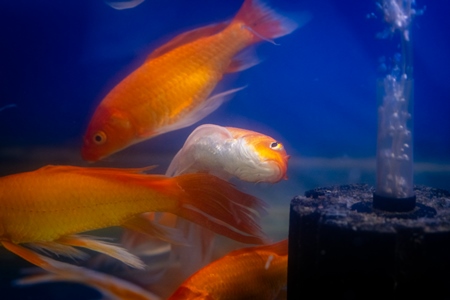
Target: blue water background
(315,91)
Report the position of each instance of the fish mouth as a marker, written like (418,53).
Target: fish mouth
(277,170)
(282,171)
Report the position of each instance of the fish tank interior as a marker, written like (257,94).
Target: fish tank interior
(315,91)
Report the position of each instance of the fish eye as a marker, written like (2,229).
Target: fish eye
(276,146)
(99,138)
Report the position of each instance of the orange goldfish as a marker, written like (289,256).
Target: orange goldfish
(249,273)
(231,152)
(172,88)
(47,208)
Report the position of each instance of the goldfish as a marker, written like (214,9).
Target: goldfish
(231,152)
(249,273)
(174,86)
(47,209)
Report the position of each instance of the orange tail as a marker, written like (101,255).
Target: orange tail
(215,204)
(264,22)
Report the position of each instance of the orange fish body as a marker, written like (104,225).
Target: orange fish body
(171,90)
(61,200)
(49,206)
(250,273)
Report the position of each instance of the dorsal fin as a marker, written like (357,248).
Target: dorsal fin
(187,37)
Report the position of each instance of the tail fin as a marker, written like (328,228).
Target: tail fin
(111,287)
(264,22)
(217,205)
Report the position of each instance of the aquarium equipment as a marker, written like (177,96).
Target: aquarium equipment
(394,188)
(390,242)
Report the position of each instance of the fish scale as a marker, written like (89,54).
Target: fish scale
(80,200)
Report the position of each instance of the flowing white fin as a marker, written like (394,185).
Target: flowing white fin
(58,250)
(44,262)
(199,253)
(111,287)
(218,206)
(110,249)
(208,106)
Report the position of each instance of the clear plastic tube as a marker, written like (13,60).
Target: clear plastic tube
(395,172)
(395,137)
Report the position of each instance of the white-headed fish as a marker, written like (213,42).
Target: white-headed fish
(231,152)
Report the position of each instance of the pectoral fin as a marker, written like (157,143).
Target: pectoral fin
(58,250)
(208,106)
(39,260)
(187,37)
